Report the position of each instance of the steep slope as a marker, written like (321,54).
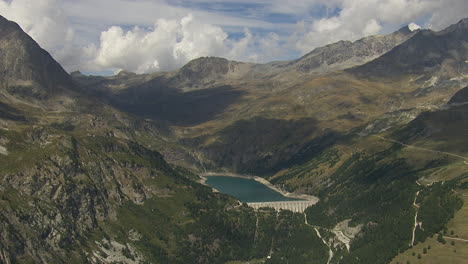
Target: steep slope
(399,188)
(461,97)
(85,183)
(26,69)
(427,51)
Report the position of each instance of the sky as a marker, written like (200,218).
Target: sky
(143,36)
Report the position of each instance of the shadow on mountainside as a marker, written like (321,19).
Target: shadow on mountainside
(10,113)
(177,107)
(262,146)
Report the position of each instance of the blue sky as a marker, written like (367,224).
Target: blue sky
(104,36)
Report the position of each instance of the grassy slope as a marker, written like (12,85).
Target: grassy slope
(373,182)
(366,179)
(65,163)
(440,252)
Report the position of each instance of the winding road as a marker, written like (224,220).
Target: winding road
(465,161)
(424,149)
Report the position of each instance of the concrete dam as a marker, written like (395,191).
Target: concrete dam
(295,206)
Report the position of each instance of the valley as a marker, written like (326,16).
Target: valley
(363,143)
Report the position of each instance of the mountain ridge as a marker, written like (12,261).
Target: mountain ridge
(213,71)
(424,52)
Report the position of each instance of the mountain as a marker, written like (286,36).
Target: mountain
(345,54)
(103,169)
(27,70)
(207,71)
(427,51)
(86,184)
(213,98)
(316,129)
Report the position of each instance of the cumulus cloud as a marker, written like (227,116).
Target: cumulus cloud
(372,27)
(256,48)
(166,46)
(46,24)
(413,26)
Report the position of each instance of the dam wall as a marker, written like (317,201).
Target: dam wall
(295,206)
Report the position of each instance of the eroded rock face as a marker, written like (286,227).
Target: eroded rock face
(52,203)
(115,252)
(345,54)
(207,71)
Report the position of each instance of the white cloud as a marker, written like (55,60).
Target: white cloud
(171,43)
(166,46)
(372,27)
(446,13)
(239,48)
(46,24)
(413,26)
(326,25)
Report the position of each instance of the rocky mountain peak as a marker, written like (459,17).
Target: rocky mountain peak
(345,54)
(25,68)
(124,73)
(426,51)
(7,26)
(206,70)
(204,66)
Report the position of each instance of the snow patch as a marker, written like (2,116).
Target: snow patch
(413,26)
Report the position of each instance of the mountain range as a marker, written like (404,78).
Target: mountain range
(104,169)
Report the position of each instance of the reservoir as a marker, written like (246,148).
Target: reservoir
(246,190)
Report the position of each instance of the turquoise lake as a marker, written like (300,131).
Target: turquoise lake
(246,190)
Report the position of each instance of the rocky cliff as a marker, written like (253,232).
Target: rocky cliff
(345,54)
